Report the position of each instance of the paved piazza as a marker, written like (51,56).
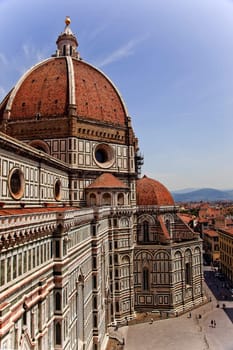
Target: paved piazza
(183,332)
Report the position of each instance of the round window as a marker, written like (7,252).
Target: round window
(101,155)
(57,190)
(104,155)
(16,183)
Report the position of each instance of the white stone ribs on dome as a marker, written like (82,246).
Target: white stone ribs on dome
(21,80)
(71,80)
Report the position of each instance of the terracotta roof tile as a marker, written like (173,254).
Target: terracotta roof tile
(107,180)
(25,211)
(152,192)
(228,231)
(186,218)
(211,233)
(44,91)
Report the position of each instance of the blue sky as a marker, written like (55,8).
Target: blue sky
(172,61)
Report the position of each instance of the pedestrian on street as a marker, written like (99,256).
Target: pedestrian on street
(214,323)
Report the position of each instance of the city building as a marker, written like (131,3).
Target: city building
(85,242)
(226,251)
(211,246)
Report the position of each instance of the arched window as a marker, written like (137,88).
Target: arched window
(188,274)
(92,199)
(188,267)
(64,50)
(145,231)
(58,333)
(177,267)
(120,199)
(106,199)
(145,279)
(168,225)
(24,314)
(162,268)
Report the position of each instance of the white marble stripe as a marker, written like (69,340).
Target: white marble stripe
(71,81)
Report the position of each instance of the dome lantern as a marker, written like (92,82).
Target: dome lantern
(67,42)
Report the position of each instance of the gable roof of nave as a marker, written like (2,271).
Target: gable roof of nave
(35,210)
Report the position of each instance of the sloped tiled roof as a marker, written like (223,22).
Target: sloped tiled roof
(152,192)
(211,233)
(25,211)
(186,218)
(107,180)
(45,90)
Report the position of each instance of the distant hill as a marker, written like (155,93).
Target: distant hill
(184,190)
(204,194)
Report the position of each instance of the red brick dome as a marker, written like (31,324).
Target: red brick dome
(62,85)
(152,192)
(49,89)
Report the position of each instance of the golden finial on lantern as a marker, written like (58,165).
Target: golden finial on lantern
(67,20)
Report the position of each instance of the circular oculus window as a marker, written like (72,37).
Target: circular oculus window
(104,155)
(57,190)
(16,183)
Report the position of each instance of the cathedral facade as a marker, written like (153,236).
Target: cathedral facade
(85,242)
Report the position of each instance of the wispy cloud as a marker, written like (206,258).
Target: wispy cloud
(30,52)
(97,31)
(3,58)
(30,56)
(124,51)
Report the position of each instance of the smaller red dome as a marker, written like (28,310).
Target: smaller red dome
(152,192)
